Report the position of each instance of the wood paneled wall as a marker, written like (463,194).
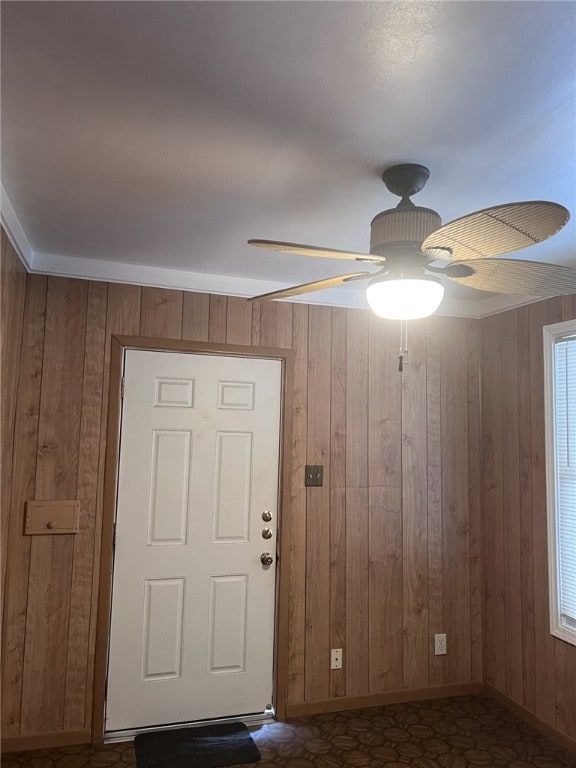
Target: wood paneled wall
(384,555)
(12,292)
(522,659)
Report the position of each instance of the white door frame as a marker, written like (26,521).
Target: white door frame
(119,344)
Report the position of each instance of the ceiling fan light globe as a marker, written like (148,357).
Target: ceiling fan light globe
(404,298)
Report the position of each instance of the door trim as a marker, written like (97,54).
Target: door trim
(106,561)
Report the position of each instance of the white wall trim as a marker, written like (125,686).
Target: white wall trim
(226,285)
(550,334)
(163,277)
(15,231)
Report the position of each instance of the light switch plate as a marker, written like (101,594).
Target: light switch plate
(314,475)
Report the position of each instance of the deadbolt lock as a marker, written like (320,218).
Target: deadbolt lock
(266,515)
(266,558)
(266,533)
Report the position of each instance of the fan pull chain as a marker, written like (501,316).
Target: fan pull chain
(403,344)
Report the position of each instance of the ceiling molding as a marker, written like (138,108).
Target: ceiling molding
(15,231)
(202,282)
(162,277)
(226,285)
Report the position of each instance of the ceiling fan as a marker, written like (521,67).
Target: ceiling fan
(407,242)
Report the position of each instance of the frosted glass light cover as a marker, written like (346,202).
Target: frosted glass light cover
(406,298)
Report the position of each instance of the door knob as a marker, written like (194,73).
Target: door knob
(266,515)
(266,533)
(266,558)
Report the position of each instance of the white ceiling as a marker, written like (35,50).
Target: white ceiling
(141,138)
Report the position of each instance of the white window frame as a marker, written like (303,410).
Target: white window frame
(552,333)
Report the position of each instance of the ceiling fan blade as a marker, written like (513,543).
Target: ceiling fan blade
(501,229)
(317,285)
(528,278)
(313,250)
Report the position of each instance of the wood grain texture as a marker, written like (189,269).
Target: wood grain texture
(78,667)
(318,506)
(525,502)
(239,321)
(297,533)
(523,661)
(122,317)
(568,307)
(475,502)
(23,485)
(48,609)
(195,316)
(414,512)
(385,639)
(217,319)
(161,313)
(434,414)
(511,507)
(12,296)
(492,501)
(338,495)
(357,575)
(275,324)
(455,502)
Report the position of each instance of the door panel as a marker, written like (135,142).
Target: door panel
(192,628)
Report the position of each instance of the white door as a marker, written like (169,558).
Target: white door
(192,629)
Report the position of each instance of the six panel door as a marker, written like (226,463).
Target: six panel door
(192,628)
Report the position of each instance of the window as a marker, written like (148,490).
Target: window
(560,399)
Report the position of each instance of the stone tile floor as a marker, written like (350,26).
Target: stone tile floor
(444,733)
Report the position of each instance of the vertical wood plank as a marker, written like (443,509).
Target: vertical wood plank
(414,511)
(568,307)
(275,324)
(78,691)
(195,316)
(47,618)
(338,496)
(161,313)
(492,502)
(357,580)
(13,294)
(544,643)
(239,321)
(511,508)
(23,484)
(122,317)
(384,508)
(474,439)
(434,413)
(554,310)
(297,533)
(525,510)
(256,307)
(318,506)
(455,519)
(217,319)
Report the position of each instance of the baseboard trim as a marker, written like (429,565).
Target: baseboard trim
(45,740)
(69,738)
(524,714)
(378,699)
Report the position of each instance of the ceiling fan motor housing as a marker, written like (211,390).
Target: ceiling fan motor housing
(402,226)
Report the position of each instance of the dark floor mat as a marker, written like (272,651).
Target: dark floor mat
(210,746)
